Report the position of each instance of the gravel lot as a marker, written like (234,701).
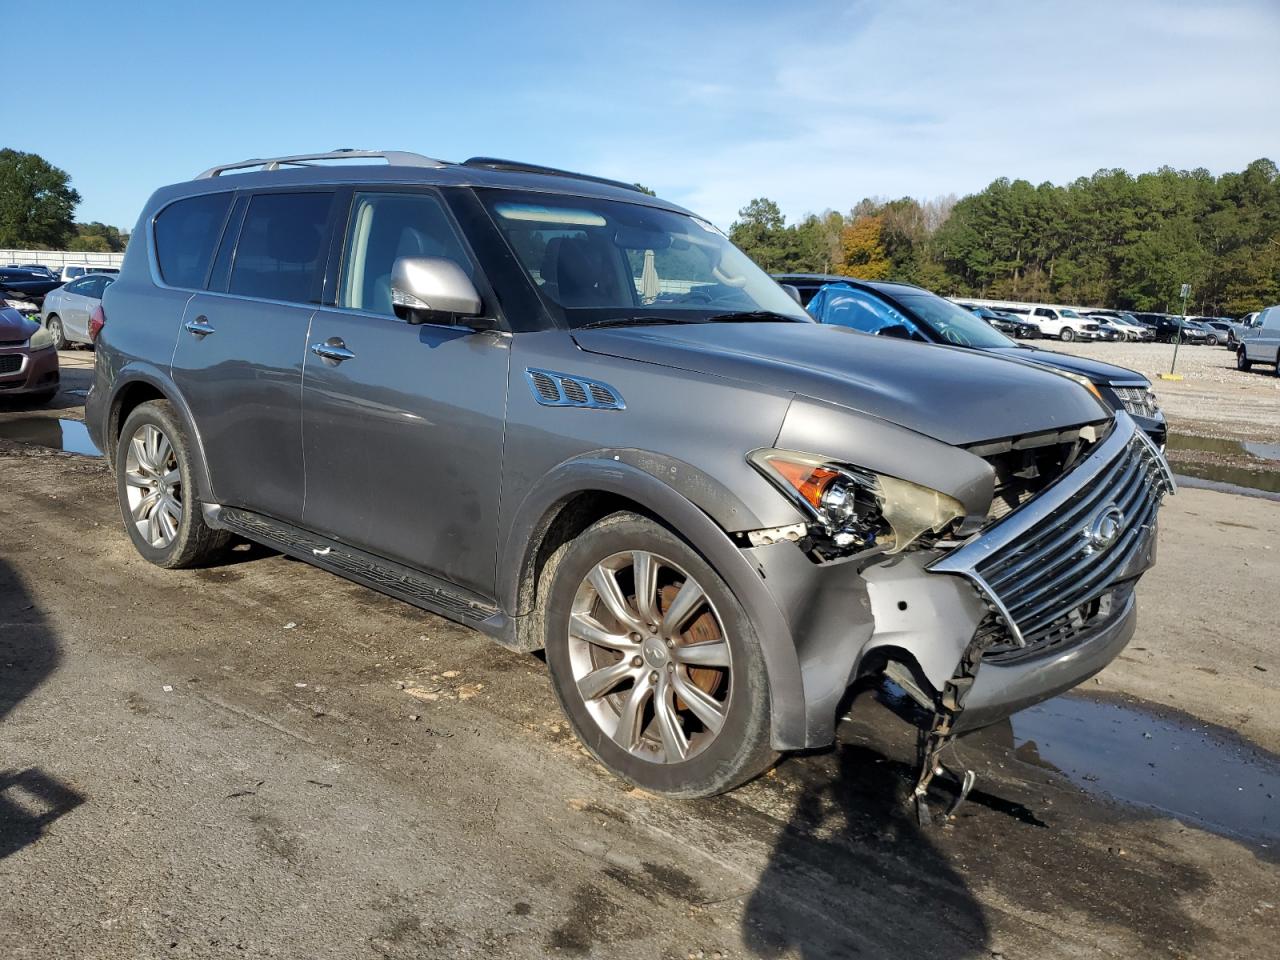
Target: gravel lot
(260,759)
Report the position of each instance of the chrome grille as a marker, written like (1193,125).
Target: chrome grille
(1040,568)
(1138,401)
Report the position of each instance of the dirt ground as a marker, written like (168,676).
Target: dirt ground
(260,759)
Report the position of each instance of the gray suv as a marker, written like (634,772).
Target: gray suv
(577,418)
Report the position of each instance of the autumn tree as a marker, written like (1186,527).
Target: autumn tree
(863,249)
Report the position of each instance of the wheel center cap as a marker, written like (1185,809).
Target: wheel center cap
(655,651)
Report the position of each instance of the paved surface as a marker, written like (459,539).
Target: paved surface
(259,759)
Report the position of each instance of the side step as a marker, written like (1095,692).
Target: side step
(386,576)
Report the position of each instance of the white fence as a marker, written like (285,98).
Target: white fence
(57,259)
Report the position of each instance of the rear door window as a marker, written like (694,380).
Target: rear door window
(186,232)
(281,251)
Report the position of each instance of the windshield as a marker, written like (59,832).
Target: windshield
(598,260)
(1072,314)
(952,324)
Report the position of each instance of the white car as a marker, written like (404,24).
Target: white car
(67,310)
(1065,324)
(1128,330)
(74,271)
(1260,341)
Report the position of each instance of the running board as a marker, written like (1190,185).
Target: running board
(420,589)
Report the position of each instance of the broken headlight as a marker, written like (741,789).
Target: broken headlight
(856,509)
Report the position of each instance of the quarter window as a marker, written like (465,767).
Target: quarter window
(186,232)
(280,254)
(385,227)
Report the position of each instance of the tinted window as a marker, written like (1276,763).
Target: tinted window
(186,232)
(94,286)
(385,227)
(79,287)
(280,253)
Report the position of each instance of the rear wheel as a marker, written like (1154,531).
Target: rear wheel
(1212,341)
(1242,359)
(1066,335)
(54,325)
(156,491)
(654,660)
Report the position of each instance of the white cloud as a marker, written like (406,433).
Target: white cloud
(923,98)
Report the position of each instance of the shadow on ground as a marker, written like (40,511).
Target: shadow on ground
(852,874)
(30,798)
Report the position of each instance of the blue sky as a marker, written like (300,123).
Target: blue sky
(813,104)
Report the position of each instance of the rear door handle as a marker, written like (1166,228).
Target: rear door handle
(333,350)
(199,327)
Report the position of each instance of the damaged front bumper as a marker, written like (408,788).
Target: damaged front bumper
(1033,605)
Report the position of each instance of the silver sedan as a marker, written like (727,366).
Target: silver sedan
(67,309)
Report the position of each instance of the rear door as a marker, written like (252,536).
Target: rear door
(239,354)
(73,310)
(403,423)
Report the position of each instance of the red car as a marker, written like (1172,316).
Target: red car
(28,361)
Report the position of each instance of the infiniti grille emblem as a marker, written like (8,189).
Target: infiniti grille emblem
(1104,529)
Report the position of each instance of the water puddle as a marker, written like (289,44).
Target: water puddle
(1188,771)
(1255,471)
(70,436)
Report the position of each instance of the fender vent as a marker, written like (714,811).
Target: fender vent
(553,389)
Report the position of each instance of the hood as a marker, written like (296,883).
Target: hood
(14,326)
(1095,370)
(954,395)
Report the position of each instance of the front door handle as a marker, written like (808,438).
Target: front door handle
(199,327)
(333,350)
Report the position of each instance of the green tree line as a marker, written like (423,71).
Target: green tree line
(1111,239)
(37,208)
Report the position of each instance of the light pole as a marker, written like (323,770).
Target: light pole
(1177,338)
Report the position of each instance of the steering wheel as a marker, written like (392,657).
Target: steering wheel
(956,337)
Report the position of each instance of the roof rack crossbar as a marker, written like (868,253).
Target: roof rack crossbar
(394,158)
(516,166)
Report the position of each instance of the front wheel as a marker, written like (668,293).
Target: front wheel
(156,491)
(1242,360)
(1066,335)
(654,661)
(1212,341)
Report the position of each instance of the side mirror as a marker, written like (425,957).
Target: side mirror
(792,292)
(435,290)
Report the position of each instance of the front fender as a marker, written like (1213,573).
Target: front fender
(618,472)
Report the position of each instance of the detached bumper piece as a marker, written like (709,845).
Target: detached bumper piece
(1057,577)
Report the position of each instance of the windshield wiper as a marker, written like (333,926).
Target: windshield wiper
(639,321)
(753,316)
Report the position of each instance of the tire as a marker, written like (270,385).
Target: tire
(153,465)
(1066,334)
(1212,341)
(729,688)
(1242,360)
(54,325)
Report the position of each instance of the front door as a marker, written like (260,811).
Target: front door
(403,423)
(239,355)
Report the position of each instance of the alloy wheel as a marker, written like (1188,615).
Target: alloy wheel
(153,482)
(650,657)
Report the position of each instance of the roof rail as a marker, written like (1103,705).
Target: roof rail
(394,158)
(515,166)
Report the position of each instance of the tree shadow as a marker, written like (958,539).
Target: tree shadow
(852,874)
(29,799)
